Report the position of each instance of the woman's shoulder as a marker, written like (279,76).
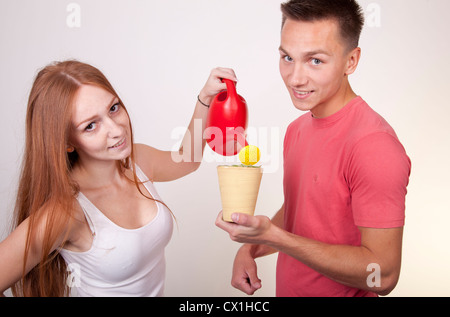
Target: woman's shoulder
(143,156)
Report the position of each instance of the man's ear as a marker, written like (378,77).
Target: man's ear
(353,61)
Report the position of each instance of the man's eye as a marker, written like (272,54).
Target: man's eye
(288,59)
(316,61)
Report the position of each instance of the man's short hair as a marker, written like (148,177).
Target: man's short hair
(348,13)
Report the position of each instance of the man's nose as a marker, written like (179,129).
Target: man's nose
(299,76)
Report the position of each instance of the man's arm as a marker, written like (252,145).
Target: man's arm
(245,276)
(260,250)
(349,265)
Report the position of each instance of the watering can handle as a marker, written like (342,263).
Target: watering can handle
(231,88)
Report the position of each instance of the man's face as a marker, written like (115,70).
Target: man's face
(314,64)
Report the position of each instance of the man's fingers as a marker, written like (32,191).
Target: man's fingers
(246,286)
(245,220)
(255,282)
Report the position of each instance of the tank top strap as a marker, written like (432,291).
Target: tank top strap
(147,183)
(94,216)
(140,174)
(86,206)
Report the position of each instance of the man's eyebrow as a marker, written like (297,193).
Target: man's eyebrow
(309,53)
(281,49)
(317,52)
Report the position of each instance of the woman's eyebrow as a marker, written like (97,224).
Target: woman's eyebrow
(95,116)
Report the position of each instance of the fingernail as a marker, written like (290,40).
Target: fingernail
(235,217)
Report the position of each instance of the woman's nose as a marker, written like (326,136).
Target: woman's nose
(113,128)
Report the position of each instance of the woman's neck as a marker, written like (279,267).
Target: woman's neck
(97,175)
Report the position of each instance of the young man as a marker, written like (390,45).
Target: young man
(339,231)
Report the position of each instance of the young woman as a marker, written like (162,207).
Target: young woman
(87,213)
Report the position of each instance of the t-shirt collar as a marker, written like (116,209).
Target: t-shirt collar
(325,122)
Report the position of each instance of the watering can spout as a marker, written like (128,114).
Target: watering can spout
(226,123)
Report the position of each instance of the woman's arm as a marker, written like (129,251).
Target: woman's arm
(12,251)
(163,166)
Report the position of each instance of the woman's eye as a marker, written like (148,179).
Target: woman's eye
(90,127)
(115,107)
(316,61)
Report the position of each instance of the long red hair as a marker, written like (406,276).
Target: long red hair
(46,190)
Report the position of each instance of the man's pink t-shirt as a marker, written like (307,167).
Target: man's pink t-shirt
(342,172)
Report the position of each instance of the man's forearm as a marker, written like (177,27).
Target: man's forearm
(345,264)
(260,250)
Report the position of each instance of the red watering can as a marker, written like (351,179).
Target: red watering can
(226,123)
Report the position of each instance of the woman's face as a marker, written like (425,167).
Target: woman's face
(100,126)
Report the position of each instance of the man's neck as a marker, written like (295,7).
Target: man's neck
(335,104)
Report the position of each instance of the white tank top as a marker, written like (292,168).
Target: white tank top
(121,262)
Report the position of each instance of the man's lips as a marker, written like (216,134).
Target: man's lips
(302,94)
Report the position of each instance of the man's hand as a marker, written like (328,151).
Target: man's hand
(245,276)
(254,230)
(246,228)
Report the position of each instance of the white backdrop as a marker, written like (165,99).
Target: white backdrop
(158,54)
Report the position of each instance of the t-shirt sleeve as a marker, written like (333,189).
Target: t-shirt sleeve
(378,176)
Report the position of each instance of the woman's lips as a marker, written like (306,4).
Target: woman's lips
(119,144)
